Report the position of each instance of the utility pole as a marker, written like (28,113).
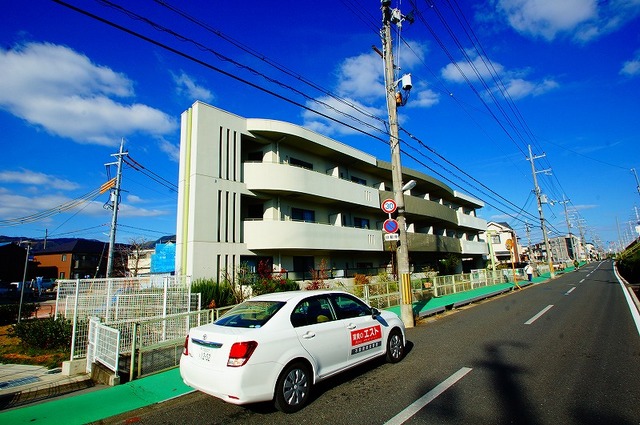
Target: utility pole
(115,201)
(537,192)
(527,226)
(402,250)
(566,217)
(633,170)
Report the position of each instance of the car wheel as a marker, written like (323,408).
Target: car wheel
(293,388)
(395,346)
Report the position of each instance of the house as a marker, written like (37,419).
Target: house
(12,263)
(78,258)
(254,190)
(501,251)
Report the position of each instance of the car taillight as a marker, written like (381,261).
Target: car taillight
(185,350)
(240,353)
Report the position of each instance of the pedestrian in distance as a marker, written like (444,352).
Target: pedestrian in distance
(529,271)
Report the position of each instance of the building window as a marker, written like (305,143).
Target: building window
(62,275)
(255,211)
(255,156)
(362,223)
(495,239)
(64,257)
(358,180)
(301,163)
(299,214)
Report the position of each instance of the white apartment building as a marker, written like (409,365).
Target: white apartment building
(255,190)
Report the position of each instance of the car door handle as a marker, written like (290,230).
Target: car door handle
(351,326)
(309,335)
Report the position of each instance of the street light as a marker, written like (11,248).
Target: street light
(24,278)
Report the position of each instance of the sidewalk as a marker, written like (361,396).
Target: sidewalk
(21,384)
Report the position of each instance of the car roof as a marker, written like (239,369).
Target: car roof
(287,296)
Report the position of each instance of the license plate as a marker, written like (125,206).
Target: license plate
(205,354)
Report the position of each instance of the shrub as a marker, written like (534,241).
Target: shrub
(213,294)
(45,334)
(268,281)
(319,276)
(9,312)
(629,267)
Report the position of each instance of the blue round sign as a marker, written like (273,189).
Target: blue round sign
(390,225)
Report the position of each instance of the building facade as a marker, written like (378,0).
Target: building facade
(254,190)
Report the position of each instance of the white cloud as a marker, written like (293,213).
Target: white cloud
(631,68)
(583,20)
(478,68)
(514,83)
(186,86)
(361,84)
(33,178)
(62,91)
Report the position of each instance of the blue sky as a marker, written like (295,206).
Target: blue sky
(489,80)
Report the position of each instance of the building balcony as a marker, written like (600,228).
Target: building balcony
(474,247)
(471,222)
(416,207)
(275,177)
(283,235)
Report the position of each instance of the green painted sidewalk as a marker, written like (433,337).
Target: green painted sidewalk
(446,302)
(100,404)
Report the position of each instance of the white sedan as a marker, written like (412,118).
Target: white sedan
(277,346)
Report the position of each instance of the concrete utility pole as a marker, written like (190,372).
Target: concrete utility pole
(537,192)
(115,201)
(402,251)
(566,217)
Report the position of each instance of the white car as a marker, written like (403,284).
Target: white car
(275,347)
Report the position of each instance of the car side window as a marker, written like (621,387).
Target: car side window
(311,311)
(347,307)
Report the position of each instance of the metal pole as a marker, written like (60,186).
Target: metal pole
(402,251)
(115,194)
(24,278)
(544,228)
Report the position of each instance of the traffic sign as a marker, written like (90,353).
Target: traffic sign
(391,237)
(509,244)
(390,225)
(389,206)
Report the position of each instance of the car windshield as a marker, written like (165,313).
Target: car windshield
(250,314)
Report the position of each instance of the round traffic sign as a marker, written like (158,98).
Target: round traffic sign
(390,225)
(389,206)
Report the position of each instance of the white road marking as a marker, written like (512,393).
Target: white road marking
(415,407)
(581,281)
(537,316)
(570,291)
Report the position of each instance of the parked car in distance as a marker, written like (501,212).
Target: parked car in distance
(275,347)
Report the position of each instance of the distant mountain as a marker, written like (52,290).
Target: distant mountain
(38,244)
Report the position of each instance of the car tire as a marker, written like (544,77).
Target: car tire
(395,346)
(293,388)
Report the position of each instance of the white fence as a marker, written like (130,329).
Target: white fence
(120,299)
(103,345)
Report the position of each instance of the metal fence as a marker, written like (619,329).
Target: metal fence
(452,284)
(120,299)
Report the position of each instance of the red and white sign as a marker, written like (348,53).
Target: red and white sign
(389,206)
(362,336)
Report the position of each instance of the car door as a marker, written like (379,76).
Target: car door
(366,334)
(322,336)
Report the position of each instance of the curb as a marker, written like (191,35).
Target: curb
(42,391)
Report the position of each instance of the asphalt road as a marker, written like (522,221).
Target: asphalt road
(563,352)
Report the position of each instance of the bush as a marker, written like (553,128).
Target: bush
(214,294)
(629,267)
(267,281)
(45,334)
(9,312)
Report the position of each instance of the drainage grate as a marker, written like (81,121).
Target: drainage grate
(17,382)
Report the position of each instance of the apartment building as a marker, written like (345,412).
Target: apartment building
(255,190)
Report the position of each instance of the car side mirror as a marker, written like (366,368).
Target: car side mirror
(375,312)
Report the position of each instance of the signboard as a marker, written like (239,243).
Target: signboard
(508,244)
(391,237)
(390,225)
(389,206)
